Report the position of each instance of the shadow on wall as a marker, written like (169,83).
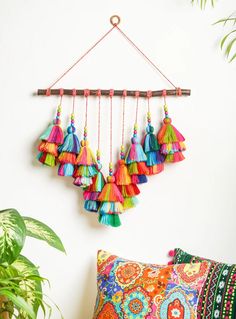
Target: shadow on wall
(87,302)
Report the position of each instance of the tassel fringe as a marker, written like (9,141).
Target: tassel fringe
(66,169)
(53,134)
(130,202)
(139,179)
(135,152)
(171,141)
(155,169)
(85,156)
(46,147)
(111,207)
(122,175)
(109,220)
(110,192)
(91,206)
(47,159)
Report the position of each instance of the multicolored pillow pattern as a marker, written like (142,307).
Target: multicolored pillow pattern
(218,297)
(134,290)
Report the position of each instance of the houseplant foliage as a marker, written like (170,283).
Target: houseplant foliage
(203,3)
(228,41)
(21,294)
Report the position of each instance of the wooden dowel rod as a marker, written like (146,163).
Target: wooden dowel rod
(185,92)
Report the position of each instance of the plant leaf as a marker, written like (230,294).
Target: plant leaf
(225,38)
(203,3)
(31,284)
(229,47)
(39,230)
(230,18)
(233,57)
(19,302)
(12,235)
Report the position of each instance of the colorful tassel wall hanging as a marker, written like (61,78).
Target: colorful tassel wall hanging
(151,146)
(122,176)
(136,158)
(111,198)
(85,163)
(69,149)
(170,139)
(51,139)
(92,193)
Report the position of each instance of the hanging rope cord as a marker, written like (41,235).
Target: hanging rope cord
(122,148)
(123,118)
(115,26)
(99,125)
(137,105)
(111,133)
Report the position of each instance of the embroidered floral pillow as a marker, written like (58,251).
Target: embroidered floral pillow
(134,290)
(218,296)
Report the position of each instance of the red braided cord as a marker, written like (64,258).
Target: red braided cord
(99,120)
(123,119)
(111,128)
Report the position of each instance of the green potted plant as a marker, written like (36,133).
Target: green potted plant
(21,294)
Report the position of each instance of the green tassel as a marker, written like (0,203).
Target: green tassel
(109,220)
(130,202)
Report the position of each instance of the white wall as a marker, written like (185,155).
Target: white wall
(190,205)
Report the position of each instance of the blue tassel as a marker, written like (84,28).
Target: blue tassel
(71,142)
(152,158)
(160,157)
(66,169)
(139,179)
(150,142)
(114,207)
(91,205)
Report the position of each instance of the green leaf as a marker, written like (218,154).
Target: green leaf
(229,47)
(39,230)
(230,18)
(12,235)
(225,38)
(203,3)
(233,57)
(32,282)
(19,302)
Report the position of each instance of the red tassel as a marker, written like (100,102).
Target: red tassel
(111,203)
(125,185)
(51,139)
(155,169)
(171,141)
(86,168)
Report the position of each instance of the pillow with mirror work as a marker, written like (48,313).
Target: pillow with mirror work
(218,297)
(134,290)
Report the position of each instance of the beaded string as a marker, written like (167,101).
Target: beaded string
(86,95)
(111,118)
(165,104)
(98,154)
(58,115)
(122,148)
(137,94)
(149,95)
(72,117)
